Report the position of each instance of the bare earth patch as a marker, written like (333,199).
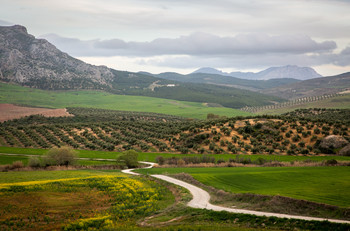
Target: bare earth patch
(10,111)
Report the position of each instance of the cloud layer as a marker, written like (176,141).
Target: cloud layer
(164,33)
(203,49)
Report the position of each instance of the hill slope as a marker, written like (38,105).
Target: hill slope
(36,63)
(312,87)
(222,80)
(97,99)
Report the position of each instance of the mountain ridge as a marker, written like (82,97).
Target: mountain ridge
(288,71)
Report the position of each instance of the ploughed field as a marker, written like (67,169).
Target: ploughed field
(10,111)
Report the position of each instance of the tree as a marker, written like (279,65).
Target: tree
(60,156)
(129,159)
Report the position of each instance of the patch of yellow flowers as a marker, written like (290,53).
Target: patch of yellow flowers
(132,197)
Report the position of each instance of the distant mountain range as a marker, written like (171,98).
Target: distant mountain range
(289,71)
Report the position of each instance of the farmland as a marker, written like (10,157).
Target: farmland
(292,140)
(94,199)
(290,134)
(341,101)
(24,153)
(96,99)
(307,183)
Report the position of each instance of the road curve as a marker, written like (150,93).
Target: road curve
(201,200)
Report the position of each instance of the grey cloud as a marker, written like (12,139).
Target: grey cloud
(5,23)
(196,44)
(251,61)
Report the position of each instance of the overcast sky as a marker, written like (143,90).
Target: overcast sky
(182,36)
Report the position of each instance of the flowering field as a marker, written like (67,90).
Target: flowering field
(106,200)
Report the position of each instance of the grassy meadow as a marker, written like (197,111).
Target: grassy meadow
(103,100)
(329,185)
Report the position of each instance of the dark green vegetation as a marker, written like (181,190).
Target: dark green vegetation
(312,87)
(102,100)
(215,79)
(307,183)
(287,134)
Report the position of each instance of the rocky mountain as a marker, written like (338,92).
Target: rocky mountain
(289,71)
(37,63)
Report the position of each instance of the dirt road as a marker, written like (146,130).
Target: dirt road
(201,200)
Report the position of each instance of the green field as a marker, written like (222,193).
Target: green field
(96,99)
(329,185)
(15,177)
(151,157)
(342,102)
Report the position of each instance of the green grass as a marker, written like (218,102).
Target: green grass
(151,157)
(14,177)
(97,99)
(10,159)
(329,185)
(342,102)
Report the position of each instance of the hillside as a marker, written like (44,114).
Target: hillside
(301,132)
(222,80)
(312,87)
(36,63)
(96,99)
(289,71)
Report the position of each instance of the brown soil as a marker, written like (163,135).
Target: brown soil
(10,111)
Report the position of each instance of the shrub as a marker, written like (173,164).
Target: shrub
(34,162)
(17,164)
(331,162)
(128,158)
(60,156)
(160,160)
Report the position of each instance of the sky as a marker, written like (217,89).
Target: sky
(182,36)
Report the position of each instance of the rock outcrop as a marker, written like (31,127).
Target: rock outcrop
(37,63)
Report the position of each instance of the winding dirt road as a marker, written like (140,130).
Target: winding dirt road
(201,200)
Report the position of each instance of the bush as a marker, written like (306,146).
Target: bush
(34,162)
(331,162)
(129,159)
(60,156)
(160,160)
(17,164)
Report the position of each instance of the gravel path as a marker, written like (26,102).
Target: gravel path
(201,200)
